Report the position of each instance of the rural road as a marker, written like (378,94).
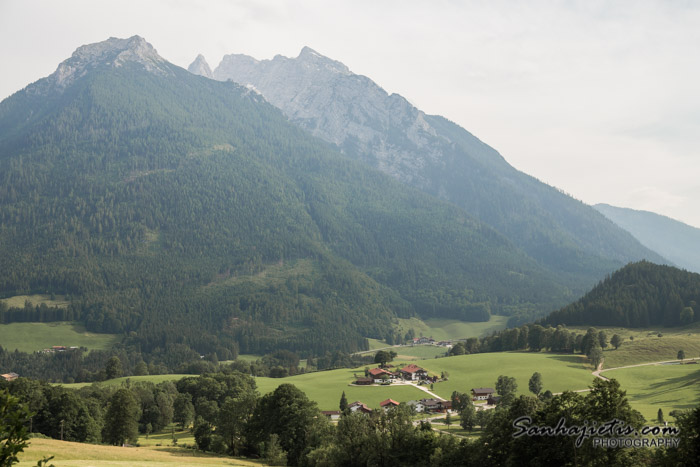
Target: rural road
(598,372)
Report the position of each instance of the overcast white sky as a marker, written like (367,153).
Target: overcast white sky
(598,98)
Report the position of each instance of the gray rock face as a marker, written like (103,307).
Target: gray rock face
(113,52)
(325,98)
(437,156)
(200,67)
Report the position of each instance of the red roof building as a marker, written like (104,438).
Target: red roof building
(388,403)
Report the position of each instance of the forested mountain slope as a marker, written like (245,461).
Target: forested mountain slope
(189,214)
(674,240)
(324,97)
(638,295)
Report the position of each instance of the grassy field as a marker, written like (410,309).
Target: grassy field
(646,346)
(67,454)
(30,337)
(419,352)
(18,301)
(119,381)
(183,437)
(666,387)
(326,387)
(559,372)
(446,329)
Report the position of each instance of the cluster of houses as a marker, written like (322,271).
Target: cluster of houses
(430,341)
(485,394)
(58,348)
(423,405)
(381,375)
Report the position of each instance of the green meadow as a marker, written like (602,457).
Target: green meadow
(30,337)
(326,387)
(419,352)
(18,301)
(645,345)
(665,387)
(155,379)
(559,372)
(446,329)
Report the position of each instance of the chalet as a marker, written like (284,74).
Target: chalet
(11,376)
(481,394)
(417,406)
(387,404)
(413,372)
(379,375)
(358,406)
(363,381)
(331,414)
(59,348)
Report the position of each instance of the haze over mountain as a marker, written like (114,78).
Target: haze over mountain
(190,216)
(672,239)
(429,152)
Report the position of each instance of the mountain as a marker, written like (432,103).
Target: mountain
(191,217)
(200,67)
(639,295)
(672,239)
(567,237)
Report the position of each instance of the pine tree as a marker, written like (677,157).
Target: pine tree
(343,402)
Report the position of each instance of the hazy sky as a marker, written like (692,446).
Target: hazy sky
(598,98)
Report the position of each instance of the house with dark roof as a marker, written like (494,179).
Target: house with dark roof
(363,381)
(482,394)
(379,375)
(417,406)
(413,372)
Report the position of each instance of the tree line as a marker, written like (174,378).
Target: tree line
(228,416)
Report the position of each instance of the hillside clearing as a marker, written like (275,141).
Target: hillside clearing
(30,337)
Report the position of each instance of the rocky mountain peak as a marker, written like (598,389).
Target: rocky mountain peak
(309,56)
(200,67)
(113,52)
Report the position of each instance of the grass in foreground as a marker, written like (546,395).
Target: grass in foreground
(67,454)
(665,387)
(30,337)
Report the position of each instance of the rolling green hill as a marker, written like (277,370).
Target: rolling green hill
(639,295)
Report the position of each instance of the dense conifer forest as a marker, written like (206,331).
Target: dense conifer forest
(176,210)
(638,295)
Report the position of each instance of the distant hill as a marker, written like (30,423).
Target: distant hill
(321,95)
(672,239)
(191,217)
(638,295)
